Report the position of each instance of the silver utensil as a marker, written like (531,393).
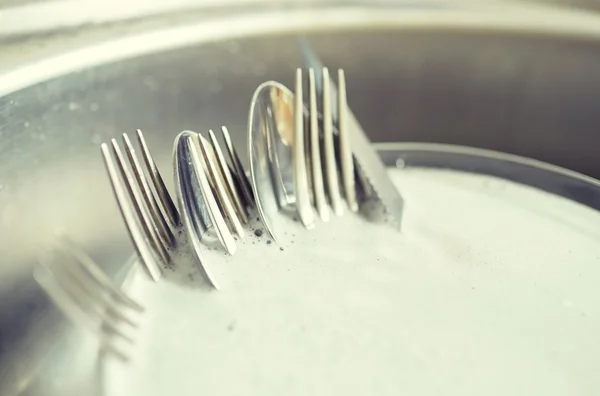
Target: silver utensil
(270,139)
(151,227)
(299,153)
(79,288)
(371,168)
(211,193)
(307,163)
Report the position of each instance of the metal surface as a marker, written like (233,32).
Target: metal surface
(29,17)
(284,129)
(147,227)
(541,175)
(300,174)
(315,151)
(210,193)
(205,191)
(190,186)
(272,178)
(205,202)
(366,157)
(515,82)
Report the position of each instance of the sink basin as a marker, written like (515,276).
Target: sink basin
(525,84)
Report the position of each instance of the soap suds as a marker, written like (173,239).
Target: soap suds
(490,288)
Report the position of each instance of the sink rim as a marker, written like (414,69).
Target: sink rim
(116,46)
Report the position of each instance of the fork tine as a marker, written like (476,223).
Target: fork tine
(63,300)
(231,188)
(142,211)
(91,307)
(303,205)
(195,218)
(159,184)
(239,173)
(85,289)
(333,187)
(65,303)
(87,264)
(315,150)
(347,161)
(307,153)
(213,209)
(217,177)
(137,232)
(159,220)
(84,294)
(85,301)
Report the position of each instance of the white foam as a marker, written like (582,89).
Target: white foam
(490,289)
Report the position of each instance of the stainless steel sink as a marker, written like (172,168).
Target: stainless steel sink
(520,82)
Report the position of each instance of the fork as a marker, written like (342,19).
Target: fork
(213,198)
(380,195)
(300,152)
(213,195)
(78,287)
(308,173)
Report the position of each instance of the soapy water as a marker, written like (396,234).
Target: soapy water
(490,288)
(186,272)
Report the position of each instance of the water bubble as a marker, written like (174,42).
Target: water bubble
(400,163)
(26,124)
(73,106)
